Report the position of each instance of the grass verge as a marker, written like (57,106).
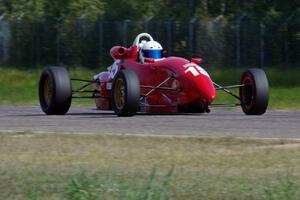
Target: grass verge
(19,86)
(127,167)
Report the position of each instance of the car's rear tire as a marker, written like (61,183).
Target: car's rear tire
(125,93)
(55,91)
(255,93)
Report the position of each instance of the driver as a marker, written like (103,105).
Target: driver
(150,49)
(147,48)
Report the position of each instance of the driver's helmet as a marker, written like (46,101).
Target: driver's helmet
(150,49)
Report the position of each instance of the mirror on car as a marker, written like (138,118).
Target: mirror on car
(197,60)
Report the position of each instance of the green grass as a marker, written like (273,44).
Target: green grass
(284,86)
(127,167)
(278,77)
(281,98)
(19,86)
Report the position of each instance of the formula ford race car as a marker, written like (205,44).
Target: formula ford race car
(142,80)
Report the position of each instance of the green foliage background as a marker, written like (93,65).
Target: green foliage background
(133,9)
(67,32)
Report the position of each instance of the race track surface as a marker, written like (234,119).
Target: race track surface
(89,120)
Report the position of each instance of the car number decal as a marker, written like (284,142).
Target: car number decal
(196,70)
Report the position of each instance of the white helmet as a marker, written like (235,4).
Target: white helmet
(150,49)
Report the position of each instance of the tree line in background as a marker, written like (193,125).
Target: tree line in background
(142,9)
(226,32)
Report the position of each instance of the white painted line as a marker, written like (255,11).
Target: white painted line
(146,135)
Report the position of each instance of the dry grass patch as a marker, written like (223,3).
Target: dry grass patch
(61,166)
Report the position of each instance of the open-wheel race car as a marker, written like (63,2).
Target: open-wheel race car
(141,79)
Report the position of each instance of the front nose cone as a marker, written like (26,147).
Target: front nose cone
(196,84)
(206,89)
(198,88)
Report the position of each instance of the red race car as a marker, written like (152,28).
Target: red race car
(141,79)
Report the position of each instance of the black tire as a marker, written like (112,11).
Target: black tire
(255,94)
(55,91)
(125,93)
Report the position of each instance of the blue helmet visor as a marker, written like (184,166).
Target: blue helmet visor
(156,54)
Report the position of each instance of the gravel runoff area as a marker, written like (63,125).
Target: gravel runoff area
(86,120)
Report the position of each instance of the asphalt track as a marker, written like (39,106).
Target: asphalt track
(89,120)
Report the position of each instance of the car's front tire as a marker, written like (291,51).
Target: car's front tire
(255,92)
(55,91)
(125,93)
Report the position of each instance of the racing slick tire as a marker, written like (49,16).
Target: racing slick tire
(125,93)
(55,91)
(255,92)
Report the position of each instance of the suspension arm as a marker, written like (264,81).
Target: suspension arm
(83,80)
(219,87)
(156,87)
(229,87)
(160,88)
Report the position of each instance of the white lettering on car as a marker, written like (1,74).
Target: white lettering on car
(196,70)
